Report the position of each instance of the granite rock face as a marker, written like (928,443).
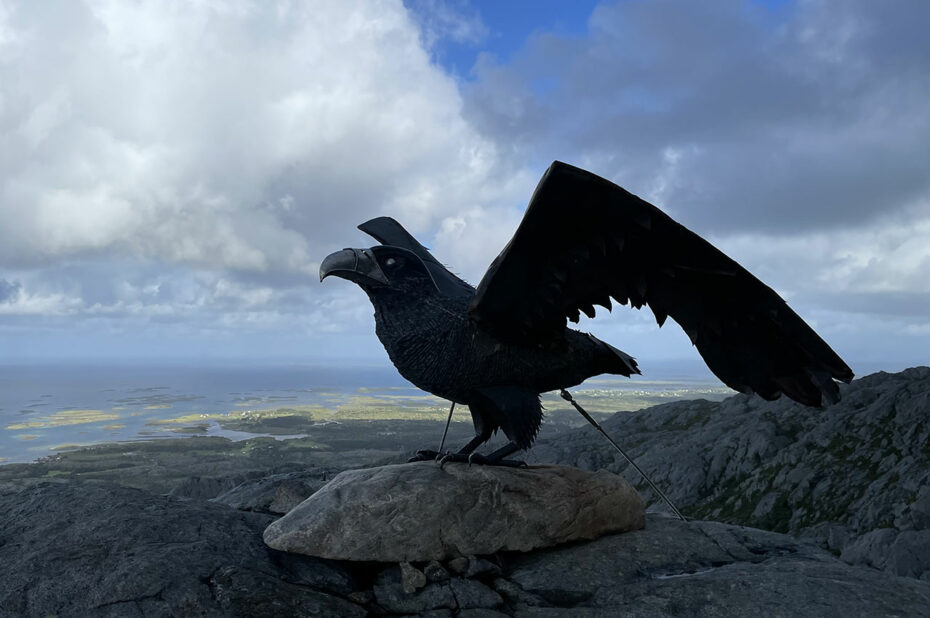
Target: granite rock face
(853,477)
(675,568)
(422,511)
(98,549)
(75,548)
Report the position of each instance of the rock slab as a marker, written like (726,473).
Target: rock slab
(275,494)
(101,550)
(420,512)
(702,569)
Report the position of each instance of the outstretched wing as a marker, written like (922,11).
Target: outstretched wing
(583,240)
(387,231)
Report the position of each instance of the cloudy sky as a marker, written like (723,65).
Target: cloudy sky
(172,173)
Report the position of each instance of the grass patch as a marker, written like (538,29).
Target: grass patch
(66,418)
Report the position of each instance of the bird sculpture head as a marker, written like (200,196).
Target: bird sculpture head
(379,269)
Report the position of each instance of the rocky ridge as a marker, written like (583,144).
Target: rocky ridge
(98,549)
(853,477)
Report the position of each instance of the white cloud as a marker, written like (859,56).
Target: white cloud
(469,241)
(181,168)
(26,304)
(174,131)
(815,121)
(889,257)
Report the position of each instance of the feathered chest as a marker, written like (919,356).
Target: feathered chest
(429,340)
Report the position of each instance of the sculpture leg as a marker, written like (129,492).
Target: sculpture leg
(483,432)
(429,455)
(474,443)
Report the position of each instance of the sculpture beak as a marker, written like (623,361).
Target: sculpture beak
(355,265)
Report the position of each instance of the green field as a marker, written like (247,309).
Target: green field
(400,405)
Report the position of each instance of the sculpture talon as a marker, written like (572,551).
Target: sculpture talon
(476,458)
(497,458)
(424,455)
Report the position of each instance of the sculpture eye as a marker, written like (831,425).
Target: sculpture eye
(389,262)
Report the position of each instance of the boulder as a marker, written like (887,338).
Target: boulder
(276,494)
(421,512)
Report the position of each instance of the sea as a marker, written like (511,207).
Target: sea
(45,408)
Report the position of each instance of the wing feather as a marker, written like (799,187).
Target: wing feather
(584,239)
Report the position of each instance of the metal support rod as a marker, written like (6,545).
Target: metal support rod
(442,443)
(568,397)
